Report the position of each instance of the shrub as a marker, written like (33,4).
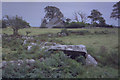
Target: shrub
(28,32)
(104,32)
(76,25)
(81,32)
(56,66)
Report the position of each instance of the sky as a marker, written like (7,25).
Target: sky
(59,0)
(33,12)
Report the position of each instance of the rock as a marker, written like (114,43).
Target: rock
(18,62)
(30,60)
(73,51)
(77,48)
(29,48)
(90,60)
(25,41)
(34,44)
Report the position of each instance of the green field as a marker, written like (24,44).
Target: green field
(110,41)
(102,46)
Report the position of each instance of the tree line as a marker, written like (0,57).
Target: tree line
(80,18)
(97,20)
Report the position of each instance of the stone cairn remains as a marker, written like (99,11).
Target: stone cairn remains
(72,50)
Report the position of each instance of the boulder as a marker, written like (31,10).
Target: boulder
(74,51)
(90,61)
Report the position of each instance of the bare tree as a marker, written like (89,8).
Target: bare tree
(83,16)
(80,16)
(76,16)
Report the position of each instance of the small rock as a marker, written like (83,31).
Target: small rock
(29,47)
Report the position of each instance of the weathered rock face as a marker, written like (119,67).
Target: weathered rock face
(80,48)
(54,22)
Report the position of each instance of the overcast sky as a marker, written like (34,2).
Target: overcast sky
(33,12)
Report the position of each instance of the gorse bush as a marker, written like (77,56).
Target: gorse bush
(12,42)
(56,66)
(76,25)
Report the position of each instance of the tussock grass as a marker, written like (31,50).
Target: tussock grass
(102,46)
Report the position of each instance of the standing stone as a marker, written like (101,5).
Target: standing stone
(90,60)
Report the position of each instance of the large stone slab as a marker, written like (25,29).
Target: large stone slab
(74,51)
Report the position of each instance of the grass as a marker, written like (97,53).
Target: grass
(95,41)
(37,31)
(99,45)
(34,31)
(110,41)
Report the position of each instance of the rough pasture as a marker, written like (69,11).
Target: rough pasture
(101,43)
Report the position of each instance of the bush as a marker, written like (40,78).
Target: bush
(28,32)
(43,27)
(76,25)
(81,32)
(56,66)
(102,32)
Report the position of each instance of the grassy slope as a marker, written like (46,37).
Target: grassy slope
(109,41)
(34,31)
(96,41)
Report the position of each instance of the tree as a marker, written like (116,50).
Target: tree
(96,17)
(0,23)
(82,16)
(3,24)
(15,23)
(116,11)
(76,17)
(53,16)
(52,12)
(66,21)
(43,23)
(102,21)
